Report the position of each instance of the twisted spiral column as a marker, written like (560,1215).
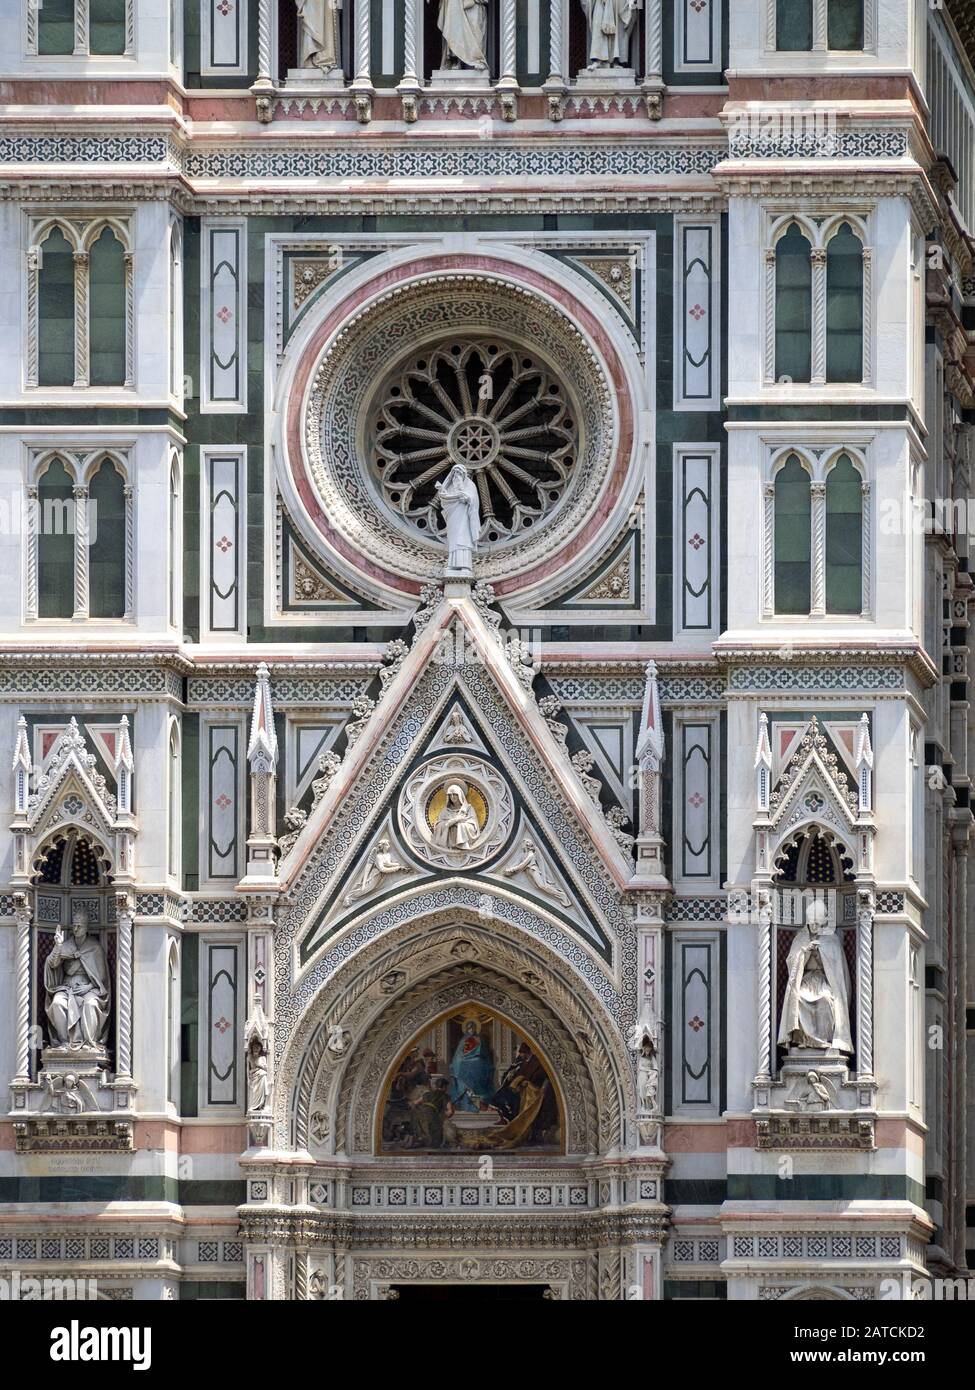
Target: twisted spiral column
(31,540)
(81,318)
(764,993)
(769,317)
(80,495)
(128,262)
(818,258)
(818,499)
(555,31)
(22,915)
(123,989)
(865,988)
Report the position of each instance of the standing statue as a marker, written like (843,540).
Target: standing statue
(816,1011)
(318,35)
(462,519)
(77,989)
(257,1047)
(463,24)
(611,23)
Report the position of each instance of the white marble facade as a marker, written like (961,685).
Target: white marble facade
(338,286)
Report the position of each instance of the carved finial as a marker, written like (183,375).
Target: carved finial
(262,750)
(650,745)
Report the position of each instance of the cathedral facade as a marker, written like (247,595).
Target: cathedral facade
(484,647)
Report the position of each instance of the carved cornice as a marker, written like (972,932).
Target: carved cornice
(309,1227)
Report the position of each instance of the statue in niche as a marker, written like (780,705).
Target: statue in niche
(816,1010)
(611,24)
(318,36)
(257,1045)
(457,826)
(458,500)
(77,989)
(463,24)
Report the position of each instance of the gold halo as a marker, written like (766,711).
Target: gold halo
(437,800)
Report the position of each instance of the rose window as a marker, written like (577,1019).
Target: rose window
(498,410)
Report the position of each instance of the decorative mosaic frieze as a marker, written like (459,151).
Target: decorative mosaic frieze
(700,1251)
(682,909)
(629,690)
(75,1246)
(841,678)
(820,1245)
(484,160)
(71,681)
(300,691)
(487,1196)
(818,144)
(890,903)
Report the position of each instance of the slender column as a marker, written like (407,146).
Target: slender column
(30,608)
(556,17)
(362,44)
(765,927)
(128,262)
(124,907)
(818,258)
(33,284)
(80,28)
(865,911)
(509,62)
(129,494)
(22,918)
(867,311)
(768,563)
(81,318)
(264,78)
(817,493)
(770,316)
(654,61)
(80,495)
(867,552)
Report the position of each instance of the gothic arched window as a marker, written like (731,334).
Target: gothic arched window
(793,306)
(844,306)
(106,311)
(55,312)
(844,538)
(55,542)
(793,514)
(106,543)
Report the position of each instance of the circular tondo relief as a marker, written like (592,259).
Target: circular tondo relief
(458,368)
(455,811)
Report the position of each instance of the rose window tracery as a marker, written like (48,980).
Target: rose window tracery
(493,407)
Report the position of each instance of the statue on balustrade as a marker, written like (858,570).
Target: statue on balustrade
(611,24)
(318,36)
(463,24)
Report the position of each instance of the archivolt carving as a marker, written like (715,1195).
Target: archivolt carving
(439,969)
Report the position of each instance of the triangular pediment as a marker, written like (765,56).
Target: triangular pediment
(69,789)
(813,795)
(471,785)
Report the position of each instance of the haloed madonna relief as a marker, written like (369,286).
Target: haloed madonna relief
(455,811)
(470,1083)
